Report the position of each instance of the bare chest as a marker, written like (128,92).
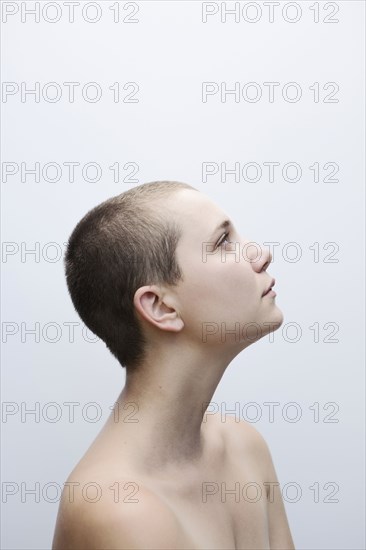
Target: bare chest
(222,509)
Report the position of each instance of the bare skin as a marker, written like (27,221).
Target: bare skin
(188,507)
(164,481)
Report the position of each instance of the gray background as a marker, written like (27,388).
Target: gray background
(169,133)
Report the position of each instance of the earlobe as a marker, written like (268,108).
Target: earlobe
(152,308)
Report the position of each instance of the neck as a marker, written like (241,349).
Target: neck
(170,397)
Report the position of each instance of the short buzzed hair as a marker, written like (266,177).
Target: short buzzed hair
(117,247)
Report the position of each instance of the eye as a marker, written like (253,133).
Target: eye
(222,240)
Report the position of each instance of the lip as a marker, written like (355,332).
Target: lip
(269,292)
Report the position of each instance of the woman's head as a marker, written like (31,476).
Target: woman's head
(144,266)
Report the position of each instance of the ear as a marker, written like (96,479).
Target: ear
(149,302)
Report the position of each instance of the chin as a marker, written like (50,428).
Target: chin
(275,320)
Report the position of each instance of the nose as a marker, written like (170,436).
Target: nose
(260,257)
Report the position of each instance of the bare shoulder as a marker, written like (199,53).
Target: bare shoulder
(245,440)
(122,514)
(240,433)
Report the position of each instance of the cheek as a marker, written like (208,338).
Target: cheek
(240,299)
(221,292)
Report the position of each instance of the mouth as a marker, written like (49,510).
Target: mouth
(269,289)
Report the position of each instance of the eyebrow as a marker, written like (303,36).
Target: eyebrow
(223,225)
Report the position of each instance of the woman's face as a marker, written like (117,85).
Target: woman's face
(220,299)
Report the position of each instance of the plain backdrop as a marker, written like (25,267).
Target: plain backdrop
(313,371)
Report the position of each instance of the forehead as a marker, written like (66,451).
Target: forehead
(195,212)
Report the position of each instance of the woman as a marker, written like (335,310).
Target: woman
(162,276)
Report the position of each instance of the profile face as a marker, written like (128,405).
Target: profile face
(223,282)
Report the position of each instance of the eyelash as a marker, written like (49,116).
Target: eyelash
(223,238)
